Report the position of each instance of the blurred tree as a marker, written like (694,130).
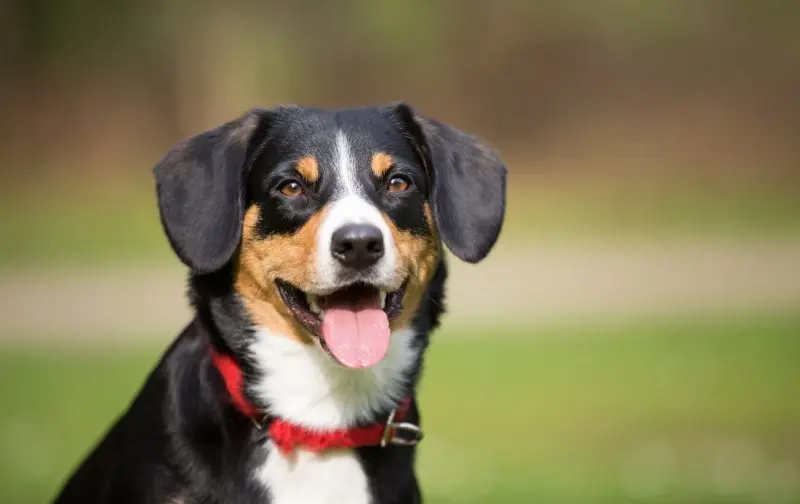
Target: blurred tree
(103,81)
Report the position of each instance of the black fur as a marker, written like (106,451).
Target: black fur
(181,440)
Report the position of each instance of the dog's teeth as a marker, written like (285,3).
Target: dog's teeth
(312,304)
(383,299)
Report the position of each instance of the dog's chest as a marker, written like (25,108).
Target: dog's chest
(304,477)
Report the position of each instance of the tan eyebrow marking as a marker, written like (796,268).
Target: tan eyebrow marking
(308,168)
(381,163)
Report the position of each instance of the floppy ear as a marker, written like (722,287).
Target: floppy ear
(468,183)
(200,189)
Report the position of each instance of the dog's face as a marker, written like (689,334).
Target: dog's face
(332,220)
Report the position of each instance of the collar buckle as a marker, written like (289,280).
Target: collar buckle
(412,433)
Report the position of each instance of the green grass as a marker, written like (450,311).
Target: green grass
(668,412)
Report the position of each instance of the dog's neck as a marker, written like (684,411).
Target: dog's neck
(300,382)
(304,385)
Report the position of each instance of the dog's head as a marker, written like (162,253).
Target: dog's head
(332,221)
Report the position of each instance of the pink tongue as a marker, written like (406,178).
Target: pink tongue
(357,337)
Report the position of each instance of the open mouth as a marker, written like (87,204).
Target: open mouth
(352,323)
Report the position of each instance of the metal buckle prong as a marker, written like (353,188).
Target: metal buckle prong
(392,427)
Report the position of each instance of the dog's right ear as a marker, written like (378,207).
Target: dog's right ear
(200,189)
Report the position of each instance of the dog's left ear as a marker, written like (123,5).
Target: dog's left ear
(468,182)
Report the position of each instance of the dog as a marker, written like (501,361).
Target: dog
(315,242)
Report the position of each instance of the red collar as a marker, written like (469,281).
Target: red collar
(287,436)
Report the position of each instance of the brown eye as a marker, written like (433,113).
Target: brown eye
(398,184)
(291,189)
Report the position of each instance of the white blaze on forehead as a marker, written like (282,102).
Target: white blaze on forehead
(345,166)
(349,206)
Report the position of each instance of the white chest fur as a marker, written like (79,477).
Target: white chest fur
(303,477)
(302,384)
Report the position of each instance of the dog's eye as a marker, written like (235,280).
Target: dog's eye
(291,189)
(399,184)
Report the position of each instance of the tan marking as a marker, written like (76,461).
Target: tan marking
(261,261)
(381,163)
(308,168)
(429,216)
(417,258)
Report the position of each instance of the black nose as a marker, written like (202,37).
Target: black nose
(357,246)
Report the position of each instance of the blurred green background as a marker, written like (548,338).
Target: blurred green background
(635,336)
